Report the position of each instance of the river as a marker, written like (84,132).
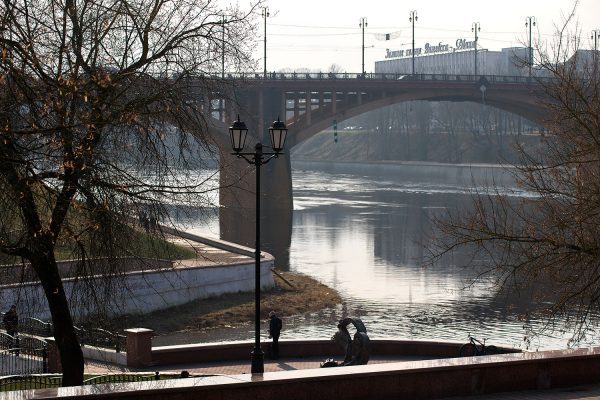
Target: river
(361,229)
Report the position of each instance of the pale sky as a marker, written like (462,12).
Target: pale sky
(314,34)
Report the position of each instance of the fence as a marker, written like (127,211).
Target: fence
(42,381)
(35,381)
(97,337)
(22,355)
(26,353)
(36,327)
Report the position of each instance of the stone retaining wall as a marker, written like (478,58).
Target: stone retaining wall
(200,353)
(143,291)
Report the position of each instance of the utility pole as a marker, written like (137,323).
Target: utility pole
(362,24)
(223,20)
(413,17)
(476,27)
(265,14)
(529,22)
(596,36)
(221,101)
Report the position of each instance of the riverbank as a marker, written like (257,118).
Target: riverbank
(217,318)
(467,175)
(368,145)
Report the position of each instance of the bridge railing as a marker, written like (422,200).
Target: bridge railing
(383,76)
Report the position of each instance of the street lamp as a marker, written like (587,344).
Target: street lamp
(363,24)
(238,132)
(476,27)
(265,14)
(529,23)
(595,36)
(413,18)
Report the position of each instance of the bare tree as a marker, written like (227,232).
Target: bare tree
(95,96)
(547,245)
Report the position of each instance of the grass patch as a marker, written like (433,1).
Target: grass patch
(138,244)
(306,295)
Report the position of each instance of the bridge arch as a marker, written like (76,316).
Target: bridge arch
(304,127)
(311,102)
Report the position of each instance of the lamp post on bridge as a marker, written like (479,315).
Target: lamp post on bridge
(238,132)
(476,27)
(223,21)
(363,24)
(530,22)
(595,36)
(413,17)
(265,14)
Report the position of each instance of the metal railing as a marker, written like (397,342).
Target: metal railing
(97,337)
(36,327)
(42,381)
(297,76)
(33,381)
(22,355)
(122,378)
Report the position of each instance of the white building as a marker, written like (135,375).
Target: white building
(458,60)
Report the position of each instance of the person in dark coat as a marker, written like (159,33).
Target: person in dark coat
(275,326)
(11,321)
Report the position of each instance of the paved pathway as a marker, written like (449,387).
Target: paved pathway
(587,392)
(236,367)
(207,254)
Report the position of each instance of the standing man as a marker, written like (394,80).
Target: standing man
(11,321)
(275,326)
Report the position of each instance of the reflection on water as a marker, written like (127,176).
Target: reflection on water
(363,234)
(361,229)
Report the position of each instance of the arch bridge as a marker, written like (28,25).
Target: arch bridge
(310,102)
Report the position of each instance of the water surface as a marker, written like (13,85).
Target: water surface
(362,230)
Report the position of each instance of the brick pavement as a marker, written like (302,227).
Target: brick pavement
(587,392)
(235,367)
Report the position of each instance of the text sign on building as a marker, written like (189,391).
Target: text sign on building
(461,44)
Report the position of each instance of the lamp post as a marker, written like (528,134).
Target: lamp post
(530,22)
(476,27)
(595,36)
(265,14)
(362,24)
(238,132)
(413,17)
(223,21)
(221,101)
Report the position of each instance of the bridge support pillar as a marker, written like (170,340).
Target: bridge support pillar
(237,214)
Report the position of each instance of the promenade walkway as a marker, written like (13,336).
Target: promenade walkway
(242,367)
(237,367)
(208,254)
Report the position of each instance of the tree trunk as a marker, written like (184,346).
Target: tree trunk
(71,356)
